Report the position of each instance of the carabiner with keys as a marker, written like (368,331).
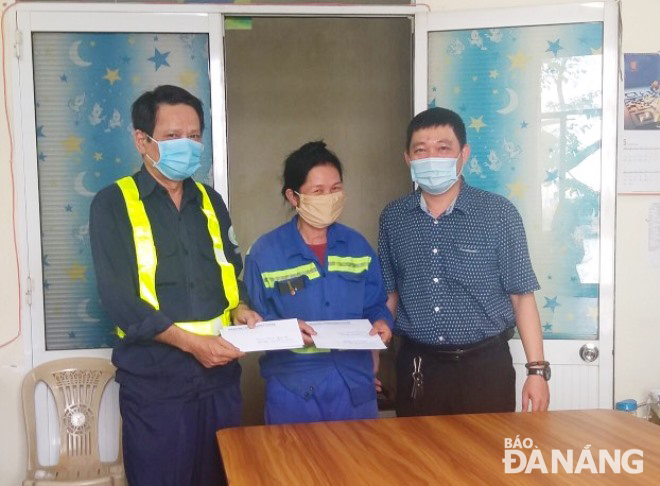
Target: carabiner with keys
(418,379)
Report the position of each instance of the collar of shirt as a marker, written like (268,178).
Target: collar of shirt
(462,202)
(147,185)
(425,208)
(335,236)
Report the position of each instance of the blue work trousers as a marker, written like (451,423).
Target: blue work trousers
(325,401)
(172,441)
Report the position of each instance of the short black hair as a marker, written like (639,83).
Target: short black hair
(299,162)
(434,117)
(145,108)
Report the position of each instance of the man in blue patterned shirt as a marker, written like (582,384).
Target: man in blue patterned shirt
(459,280)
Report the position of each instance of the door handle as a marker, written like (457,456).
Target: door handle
(589,353)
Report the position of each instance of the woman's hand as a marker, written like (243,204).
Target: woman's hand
(242,314)
(307,332)
(381,328)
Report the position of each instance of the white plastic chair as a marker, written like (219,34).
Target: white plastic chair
(77,385)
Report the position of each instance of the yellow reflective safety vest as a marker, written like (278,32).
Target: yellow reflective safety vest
(147,259)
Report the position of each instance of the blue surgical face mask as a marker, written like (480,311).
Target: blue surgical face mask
(435,175)
(179,158)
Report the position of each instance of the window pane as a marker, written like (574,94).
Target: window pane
(85,84)
(531,99)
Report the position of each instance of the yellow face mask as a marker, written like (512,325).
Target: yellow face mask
(320,211)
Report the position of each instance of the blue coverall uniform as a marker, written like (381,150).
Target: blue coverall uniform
(285,280)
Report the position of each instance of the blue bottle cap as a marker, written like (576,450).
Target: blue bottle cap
(628,405)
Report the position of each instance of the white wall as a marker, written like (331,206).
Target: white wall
(637,334)
(13,362)
(637,319)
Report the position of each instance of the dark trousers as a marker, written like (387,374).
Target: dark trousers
(173,442)
(480,381)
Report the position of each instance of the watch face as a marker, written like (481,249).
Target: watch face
(547,373)
(544,372)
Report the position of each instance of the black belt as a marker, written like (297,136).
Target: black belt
(456,352)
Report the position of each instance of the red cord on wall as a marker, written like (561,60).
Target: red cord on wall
(11,173)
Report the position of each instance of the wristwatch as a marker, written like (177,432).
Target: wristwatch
(541,368)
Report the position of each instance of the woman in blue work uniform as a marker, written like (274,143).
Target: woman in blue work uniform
(313,269)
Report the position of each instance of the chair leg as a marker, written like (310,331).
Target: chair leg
(118,480)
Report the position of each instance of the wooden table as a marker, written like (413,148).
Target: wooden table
(459,449)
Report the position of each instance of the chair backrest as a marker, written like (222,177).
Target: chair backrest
(77,385)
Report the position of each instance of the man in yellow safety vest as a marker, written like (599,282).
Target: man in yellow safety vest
(166,261)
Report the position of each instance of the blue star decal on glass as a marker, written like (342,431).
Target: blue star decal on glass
(159,59)
(524,124)
(72,335)
(63,78)
(434,89)
(125,59)
(432,103)
(553,47)
(462,108)
(552,175)
(549,277)
(68,208)
(40,131)
(547,326)
(41,157)
(551,304)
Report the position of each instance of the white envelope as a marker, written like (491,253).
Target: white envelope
(266,336)
(347,334)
